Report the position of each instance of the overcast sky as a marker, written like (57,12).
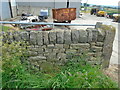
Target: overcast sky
(102,2)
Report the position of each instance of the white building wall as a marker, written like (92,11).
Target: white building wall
(34,8)
(4,10)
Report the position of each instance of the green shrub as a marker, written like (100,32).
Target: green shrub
(77,73)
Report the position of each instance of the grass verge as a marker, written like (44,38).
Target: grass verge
(77,73)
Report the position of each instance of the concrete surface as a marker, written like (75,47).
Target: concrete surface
(92,19)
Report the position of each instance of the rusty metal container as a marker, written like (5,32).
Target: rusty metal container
(64,14)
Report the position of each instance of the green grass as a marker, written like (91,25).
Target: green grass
(5,28)
(77,73)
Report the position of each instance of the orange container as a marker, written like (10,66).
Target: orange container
(64,14)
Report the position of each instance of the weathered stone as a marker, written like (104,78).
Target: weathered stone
(50,46)
(67,37)
(25,36)
(46,54)
(75,36)
(90,36)
(32,53)
(99,44)
(37,58)
(40,50)
(36,46)
(108,44)
(33,49)
(80,45)
(33,38)
(94,62)
(60,37)
(69,56)
(43,47)
(10,37)
(45,38)
(58,46)
(52,37)
(48,50)
(16,36)
(66,46)
(41,61)
(4,37)
(58,50)
(51,55)
(39,38)
(70,51)
(98,25)
(99,54)
(96,49)
(110,35)
(83,36)
(92,44)
(92,58)
(95,35)
(61,56)
(101,35)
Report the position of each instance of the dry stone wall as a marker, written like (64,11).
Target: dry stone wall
(57,47)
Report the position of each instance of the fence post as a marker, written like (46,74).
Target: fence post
(98,25)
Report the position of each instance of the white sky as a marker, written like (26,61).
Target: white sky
(102,2)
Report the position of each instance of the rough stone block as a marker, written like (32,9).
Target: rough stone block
(48,50)
(66,46)
(101,35)
(40,38)
(75,36)
(95,35)
(71,51)
(80,45)
(67,37)
(83,36)
(32,48)
(58,46)
(43,47)
(91,54)
(45,38)
(32,53)
(51,56)
(92,44)
(60,37)
(61,56)
(37,58)
(25,36)
(33,38)
(40,50)
(96,49)
(58,50)
(16,36)
(50,46)
(99,44)
(4,37)
(90,36)
(52,37)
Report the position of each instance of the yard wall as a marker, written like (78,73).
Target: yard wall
(59,46)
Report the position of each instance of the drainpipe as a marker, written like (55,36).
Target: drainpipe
(10,8)
(68,3)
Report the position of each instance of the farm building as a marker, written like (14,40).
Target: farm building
(12,8)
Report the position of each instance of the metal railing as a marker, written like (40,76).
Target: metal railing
(44,23)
